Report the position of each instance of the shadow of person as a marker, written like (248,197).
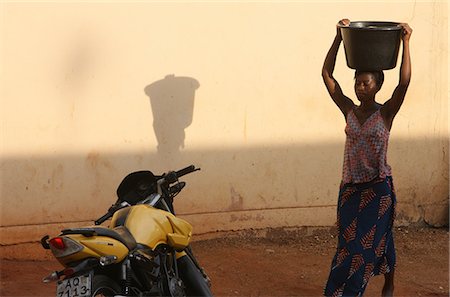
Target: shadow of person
(172,103)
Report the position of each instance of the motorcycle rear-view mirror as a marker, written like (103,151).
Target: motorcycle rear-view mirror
(136,186)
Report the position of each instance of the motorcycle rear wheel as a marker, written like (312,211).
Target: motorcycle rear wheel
(104,286)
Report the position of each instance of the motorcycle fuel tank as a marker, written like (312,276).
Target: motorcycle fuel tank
(152,226)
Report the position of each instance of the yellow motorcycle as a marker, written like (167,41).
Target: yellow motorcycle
(144,252)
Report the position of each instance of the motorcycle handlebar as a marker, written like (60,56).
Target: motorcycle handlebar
(103,218)
(186,170)
(172,176)
(110,213)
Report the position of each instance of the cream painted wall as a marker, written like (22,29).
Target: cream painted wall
(81,91)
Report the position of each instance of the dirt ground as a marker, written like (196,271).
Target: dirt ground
(280,263)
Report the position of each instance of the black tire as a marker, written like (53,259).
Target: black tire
(104,286)
(196,284)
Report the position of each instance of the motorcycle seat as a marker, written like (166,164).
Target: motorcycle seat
(119,233)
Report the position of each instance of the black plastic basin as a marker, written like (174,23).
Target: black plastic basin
(371,45)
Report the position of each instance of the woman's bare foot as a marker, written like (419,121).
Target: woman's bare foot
(388,288)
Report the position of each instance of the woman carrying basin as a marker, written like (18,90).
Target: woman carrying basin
(366,203)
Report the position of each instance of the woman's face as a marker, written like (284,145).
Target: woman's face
(365,86)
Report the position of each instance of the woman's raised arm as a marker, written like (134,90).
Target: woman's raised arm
(392,106)
(343,102)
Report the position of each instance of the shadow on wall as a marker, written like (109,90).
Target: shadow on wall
(244,180)
(172,103)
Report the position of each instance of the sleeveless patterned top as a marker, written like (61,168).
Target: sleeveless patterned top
(365,149)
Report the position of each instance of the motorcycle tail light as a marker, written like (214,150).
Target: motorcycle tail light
(63,246)
(58,243)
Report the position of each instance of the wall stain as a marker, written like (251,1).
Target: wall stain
(95,161)
(55,183)
(237,200)
(259,217)
(240,218)
(246,217)
(97,164)
(58,178)
(262,198)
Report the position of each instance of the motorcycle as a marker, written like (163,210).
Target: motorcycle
(144,251)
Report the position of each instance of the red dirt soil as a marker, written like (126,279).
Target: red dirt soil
(281,263)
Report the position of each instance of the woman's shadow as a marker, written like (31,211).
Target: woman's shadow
(172,103)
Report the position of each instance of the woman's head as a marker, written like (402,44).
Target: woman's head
(368,83)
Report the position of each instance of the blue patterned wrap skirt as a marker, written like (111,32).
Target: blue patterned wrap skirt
(365,217)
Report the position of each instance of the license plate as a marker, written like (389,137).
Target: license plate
(78,286)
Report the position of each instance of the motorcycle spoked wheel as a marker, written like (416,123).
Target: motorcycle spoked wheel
(104,286)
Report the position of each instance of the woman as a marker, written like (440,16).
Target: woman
(366,204)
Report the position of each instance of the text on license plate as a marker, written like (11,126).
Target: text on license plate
(78,286)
